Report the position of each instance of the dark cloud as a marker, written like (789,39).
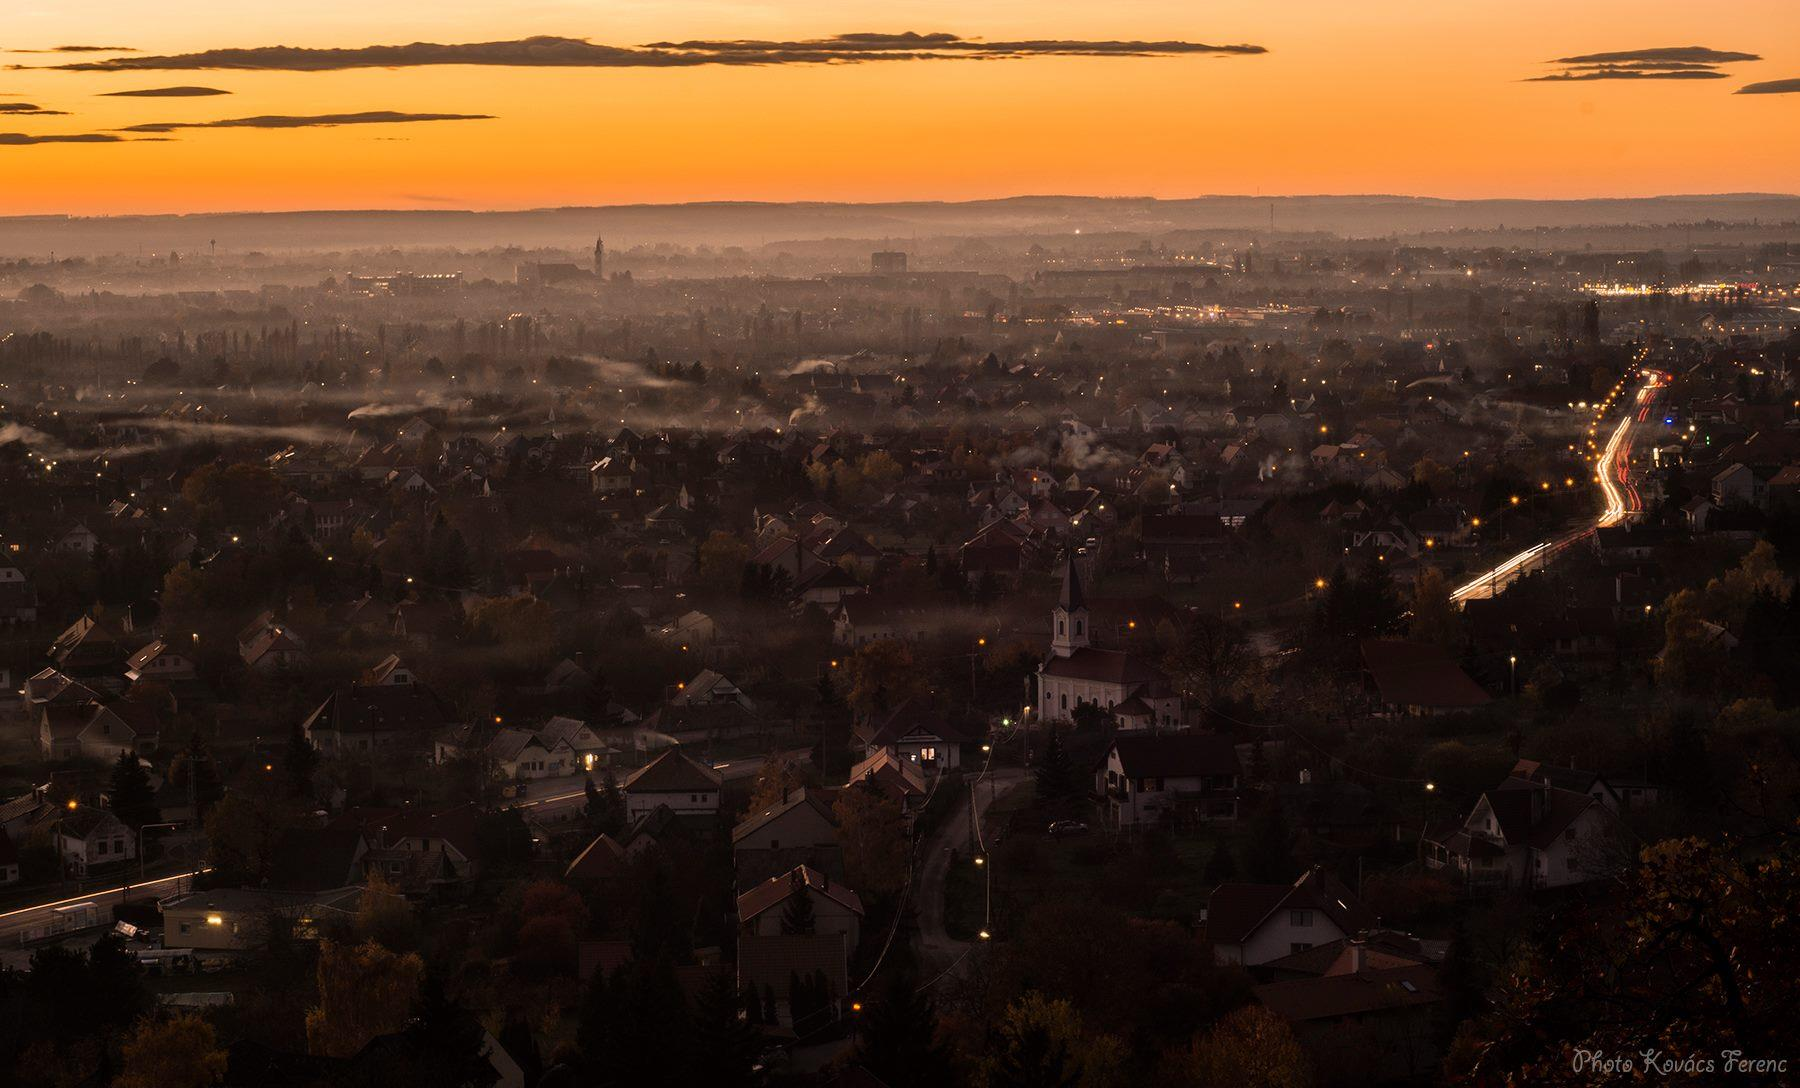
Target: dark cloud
(167,92)
(552,52)
(1693,54)
(1592,74)
(1666,62)
(324,120)
(1773,86)
(26,109)
(79,49)
(21,139)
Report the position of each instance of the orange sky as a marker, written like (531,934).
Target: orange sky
(1379,96)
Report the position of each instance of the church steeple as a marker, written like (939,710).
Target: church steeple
(1069,619)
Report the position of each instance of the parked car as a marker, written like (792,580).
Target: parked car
(1064,828)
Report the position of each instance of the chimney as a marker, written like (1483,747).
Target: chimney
(784,795)
(1356,957)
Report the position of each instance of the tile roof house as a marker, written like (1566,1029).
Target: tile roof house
(1181,777)
(836,906)
(674,780)
(1251,924)
(1527,834)
(387,707)
(92,837)
(918,731)
(1418,678)
(800,829)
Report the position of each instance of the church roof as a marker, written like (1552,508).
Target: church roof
(1072,597)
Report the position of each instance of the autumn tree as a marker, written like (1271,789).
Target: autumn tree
(1692,658)
(180,1052)
(883,675)
(1249,1048)
(1435,618)
(778,779)
(875,847)
(1215,663)
(364,991)
(722,559)
(1041,1042)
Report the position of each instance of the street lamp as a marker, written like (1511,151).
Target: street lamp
(1512,674)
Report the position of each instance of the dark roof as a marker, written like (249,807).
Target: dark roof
(1236,910)
(1419,674)
(1105,666)
(1535,815)
(915,716)
(356,708)
(775,891)
(603,859)
(795,800)
(311,859)
(1071,597)
(1331,996)
(672,772)
(1176,755)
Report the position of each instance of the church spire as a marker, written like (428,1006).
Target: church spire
(1069,620)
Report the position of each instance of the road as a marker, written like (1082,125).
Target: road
(21,924)
(1614,476)
(937,949)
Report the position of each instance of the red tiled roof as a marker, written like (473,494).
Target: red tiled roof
(672,772)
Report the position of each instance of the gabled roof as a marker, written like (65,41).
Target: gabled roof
(1104,666)
(1330,997)
(1071,597)
(914,717)
(603,859)
(1419,674)
(801,798)
(776,890)
(1176,755)
(1235,911)
(672,772)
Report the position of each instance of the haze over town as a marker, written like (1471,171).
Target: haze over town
(1038,547)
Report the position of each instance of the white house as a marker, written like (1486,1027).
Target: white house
(91,837)
(1527,834)
(836,907)
(917,731)
(1181,777)
(685,786)
(1250,924)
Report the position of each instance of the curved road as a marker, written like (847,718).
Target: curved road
(1614,478)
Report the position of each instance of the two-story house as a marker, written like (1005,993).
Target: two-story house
(1251,924)
(673,780)
(1182,777)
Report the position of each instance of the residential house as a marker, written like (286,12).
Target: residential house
(800,829)
(917,731)
(684,785)
(1411,679)
(91,838)
(1182,778)
(386,708)
(124,725)
(836,907)
(1527,834)
(237,919)
(1251,924)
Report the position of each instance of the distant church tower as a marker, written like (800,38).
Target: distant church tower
(1069,620)
(599,258)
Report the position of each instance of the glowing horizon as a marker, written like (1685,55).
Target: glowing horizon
(679,102)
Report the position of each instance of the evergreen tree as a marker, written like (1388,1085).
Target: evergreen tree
(607,804)
(1267,852)
(725,1045)
(1055,775)
(520,1044)
(899,1039)
(299,763)
(204,778)
(797,916)
(1221,866)
(131,798)
(449,1045)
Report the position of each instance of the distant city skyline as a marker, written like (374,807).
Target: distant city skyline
(192,106)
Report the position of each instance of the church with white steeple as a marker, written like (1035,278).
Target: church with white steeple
(1133,689)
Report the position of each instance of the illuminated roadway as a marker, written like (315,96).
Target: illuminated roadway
(1616,487)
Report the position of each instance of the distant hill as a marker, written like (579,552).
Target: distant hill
(752,224)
